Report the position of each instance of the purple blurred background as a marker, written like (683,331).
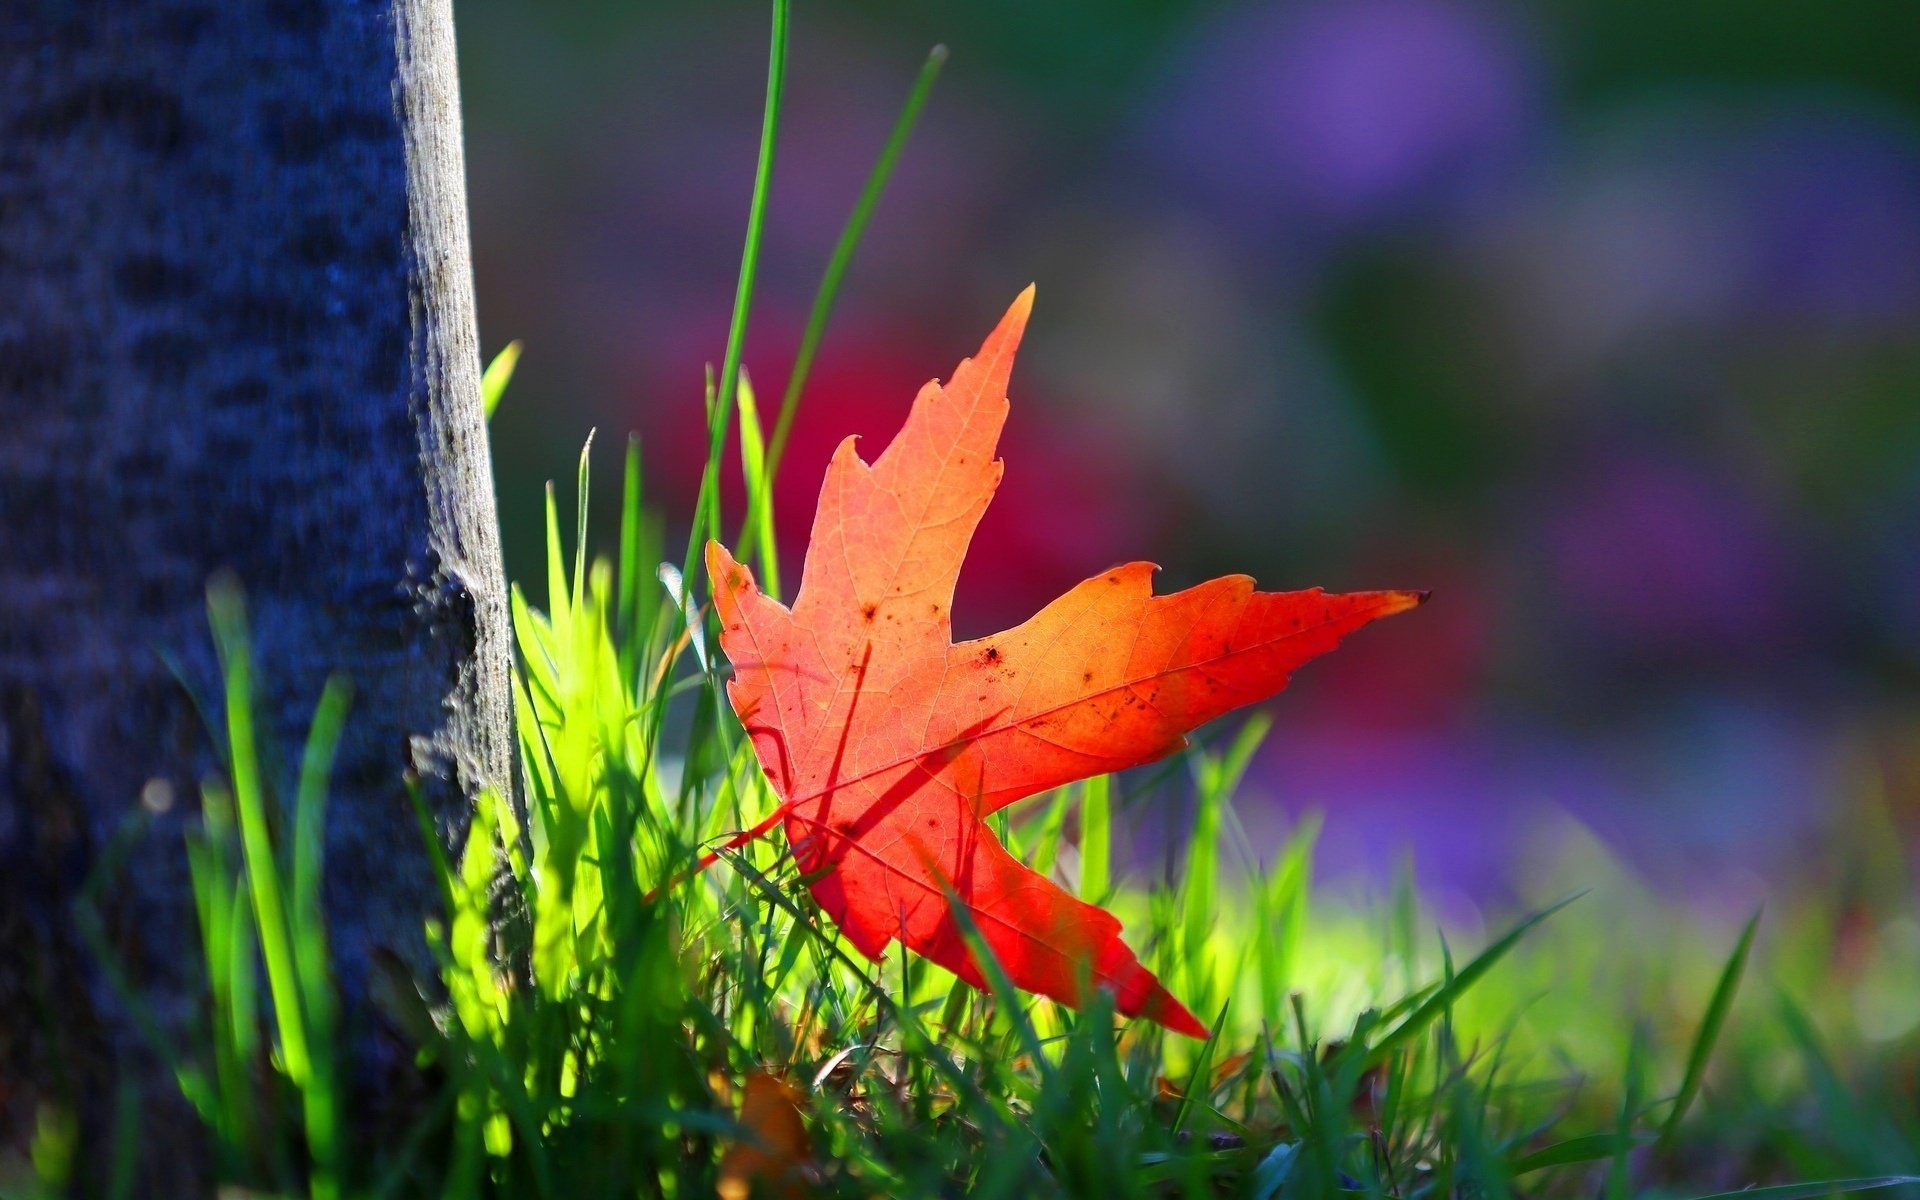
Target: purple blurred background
(1600,319)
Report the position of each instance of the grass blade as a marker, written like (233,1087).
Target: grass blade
(1811,1191)
(1591,1148)
(706,521)
(753,463)
(493,381)
(228,613)
(1442,1000)
(1710,1025)
(850,235)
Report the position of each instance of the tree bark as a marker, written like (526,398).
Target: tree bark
(236,332)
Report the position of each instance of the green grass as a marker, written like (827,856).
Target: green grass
(597,1007)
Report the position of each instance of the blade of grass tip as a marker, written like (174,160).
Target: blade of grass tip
(1469,975)
(1239,756)
(1202,1068)
(1283,911)
(1447,1042)
(227,612)
(1710,1025)
(629,576)
(1271,1175)
(675,583)
(581,488)
(558,614)
(1591,1147)
(706,505)
(493,381)
(1046,848)
(310,803)
(753,464)
(1203,859)
(842,257)
(1404,921)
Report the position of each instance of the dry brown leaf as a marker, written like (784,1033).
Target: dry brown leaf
(772,1160)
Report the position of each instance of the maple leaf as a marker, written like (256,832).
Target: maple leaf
(889,744)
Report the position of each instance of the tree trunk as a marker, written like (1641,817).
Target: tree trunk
(236,331)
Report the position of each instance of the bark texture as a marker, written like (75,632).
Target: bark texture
(236,331)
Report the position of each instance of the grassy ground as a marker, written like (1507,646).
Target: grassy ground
(606,1021)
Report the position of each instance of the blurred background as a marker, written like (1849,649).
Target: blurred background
(1600,319)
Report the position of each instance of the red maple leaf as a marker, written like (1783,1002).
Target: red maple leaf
(889,744)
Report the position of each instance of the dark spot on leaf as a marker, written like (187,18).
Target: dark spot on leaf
(993,654)
(1086,677)
(868,611)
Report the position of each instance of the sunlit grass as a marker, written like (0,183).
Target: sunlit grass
(598,1007)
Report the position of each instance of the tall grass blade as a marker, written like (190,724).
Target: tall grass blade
(706,522)
(228,613)
(1710,1025)
(842,257)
